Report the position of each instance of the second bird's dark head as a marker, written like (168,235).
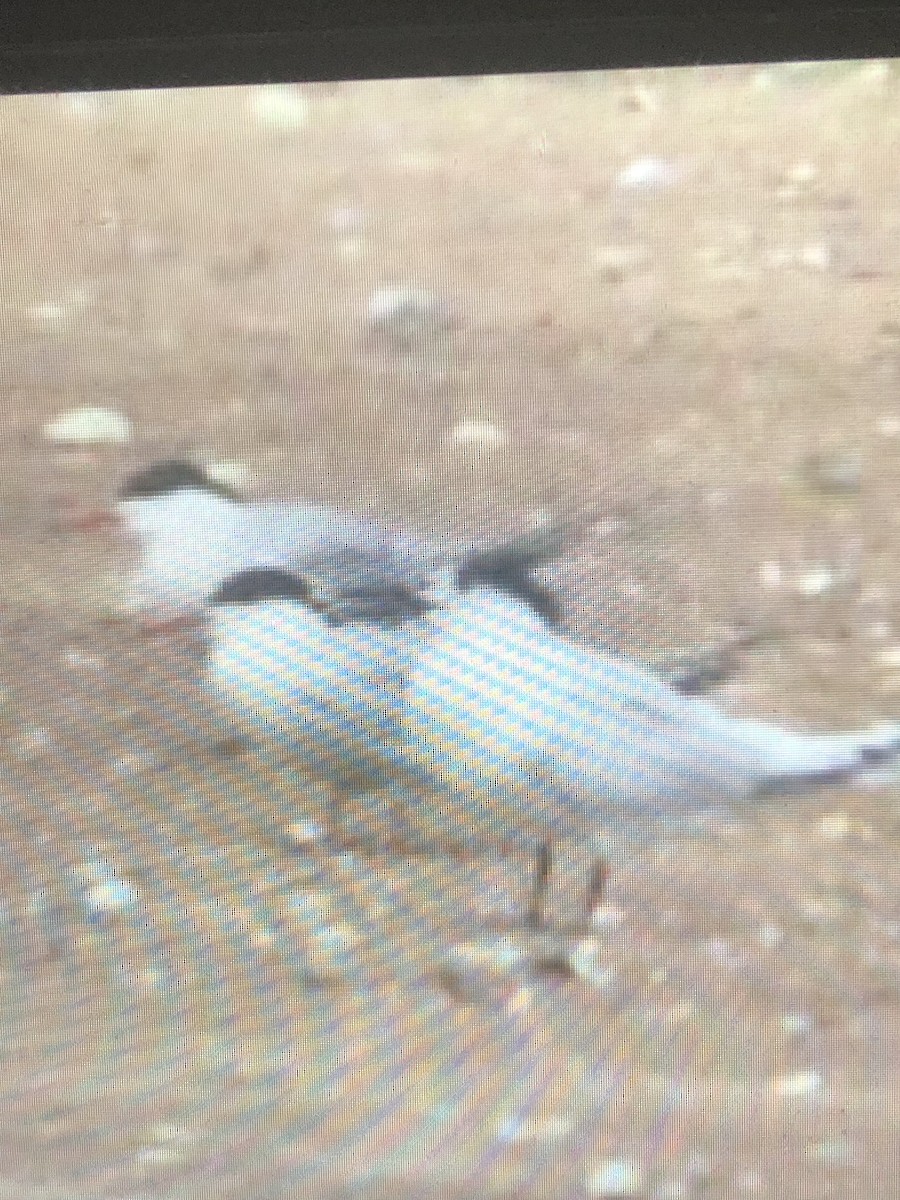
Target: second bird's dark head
(261,584)
(169,476)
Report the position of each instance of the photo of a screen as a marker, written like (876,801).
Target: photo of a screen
(449,637)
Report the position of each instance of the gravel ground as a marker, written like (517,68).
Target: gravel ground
(670,300)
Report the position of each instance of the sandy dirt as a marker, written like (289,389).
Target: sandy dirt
(709,360)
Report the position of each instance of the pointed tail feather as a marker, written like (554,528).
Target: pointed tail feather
(797,761)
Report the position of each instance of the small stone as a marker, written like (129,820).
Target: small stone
(796,1024)
(890,658)
(647,172)
(614,1178)
(305,833)
(816,256)
(49,313)
(798,1086)
(404,315)
(280,106)
(111,896)
(478,433)
(607,916)
(770,937)
(802,174)
(831,1152)
(834,827)
(89,427)
(818,580)
(347,220)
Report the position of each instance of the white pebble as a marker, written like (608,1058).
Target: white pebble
(834,827)
(607,916)
(832,1152)
(280,106)
(305,833)
(49,313)
(478,433)
(347,219)
(816,256)
(799,1085)
(89,427)
(802,173)
(890,657)
(616,1177)
(648,172)
(796,1023)
(110,896)
(770,937)
(407,313)
(817,581)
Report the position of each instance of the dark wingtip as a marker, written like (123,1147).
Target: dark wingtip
(259,584)
(512,579)
(169,476)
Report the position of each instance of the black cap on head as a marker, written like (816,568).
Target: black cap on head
(172,475)
(262,583)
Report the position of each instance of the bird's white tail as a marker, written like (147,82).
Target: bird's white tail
(794,761)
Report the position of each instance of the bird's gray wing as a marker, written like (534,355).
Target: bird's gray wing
(358,585)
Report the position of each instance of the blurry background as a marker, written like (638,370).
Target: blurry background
(667,298)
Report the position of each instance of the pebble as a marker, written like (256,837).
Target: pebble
(346,220)
(834,827)
(816,581)
(647,172)
(770,937)
(799,1085)
(607,916)
(816,256)
(280,106)
(616,1177)
(404,315)
(89,427)
(111,896)
(802,173)
(831,1152)
(890,657)
(305,833)
(478,433)
(796,1024)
